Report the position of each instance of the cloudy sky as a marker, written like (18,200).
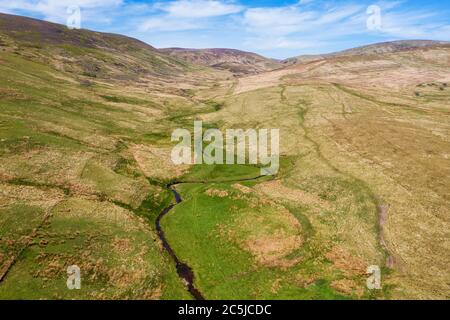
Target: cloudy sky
(277,29)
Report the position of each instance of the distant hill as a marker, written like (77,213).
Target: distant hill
(378,48)
(112,56)
(235,61)
(84,52)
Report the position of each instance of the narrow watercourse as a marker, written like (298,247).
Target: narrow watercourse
(184,270)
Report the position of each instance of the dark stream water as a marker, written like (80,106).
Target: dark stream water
(184,271)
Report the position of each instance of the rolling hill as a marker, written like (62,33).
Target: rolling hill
(86,53)
(236,61)
(373,49)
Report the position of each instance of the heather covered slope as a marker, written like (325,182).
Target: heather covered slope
(88,53)
(236,61)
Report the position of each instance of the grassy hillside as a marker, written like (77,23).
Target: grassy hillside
(72,191)
(85,52)
(366,141)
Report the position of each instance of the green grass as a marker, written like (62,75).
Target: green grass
(43,115)
(222,268)
(221,172)
(88,242)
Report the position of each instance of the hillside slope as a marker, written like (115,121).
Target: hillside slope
(87,53)
(236,61)
(373,49)
(82,117)
(377,121)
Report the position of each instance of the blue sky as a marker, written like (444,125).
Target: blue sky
(277,29)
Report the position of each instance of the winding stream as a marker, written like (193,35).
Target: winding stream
(184,271)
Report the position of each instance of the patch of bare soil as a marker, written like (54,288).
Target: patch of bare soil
(216,193)
(242,188)
(121,245)
(270,250)
(347,286)
(346,262)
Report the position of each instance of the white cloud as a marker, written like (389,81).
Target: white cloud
(414,24)
(277,21)
(268,43)
(183,15)
(169,24)
(336,15)
(199,8)
(299,27)
(293,26)
(56,10)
